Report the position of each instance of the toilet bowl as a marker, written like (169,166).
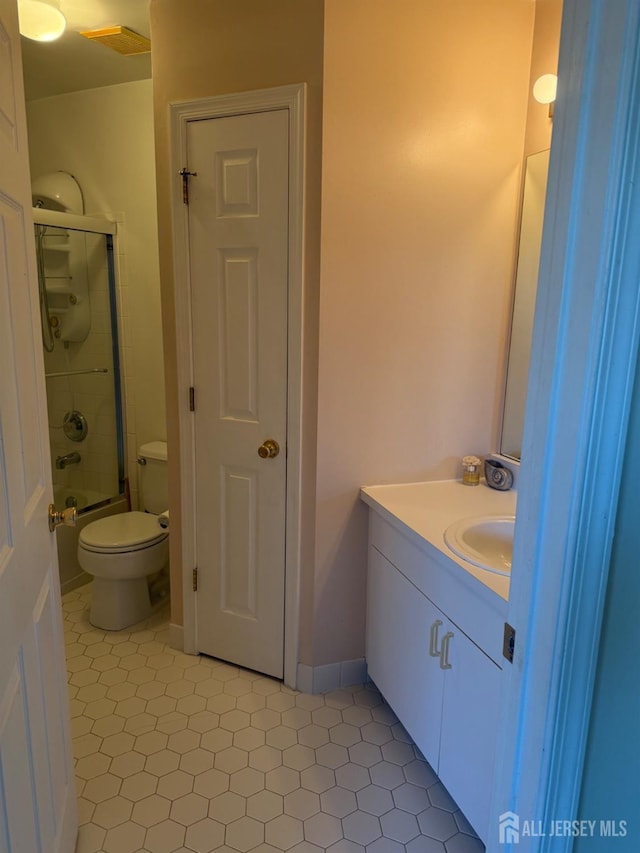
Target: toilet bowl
(122,551)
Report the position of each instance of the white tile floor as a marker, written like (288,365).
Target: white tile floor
(183,754)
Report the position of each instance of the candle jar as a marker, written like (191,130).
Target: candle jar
(471,470)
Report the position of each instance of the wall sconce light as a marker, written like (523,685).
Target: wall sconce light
(544,90)
(40,20)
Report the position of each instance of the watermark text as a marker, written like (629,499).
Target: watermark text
(511,828)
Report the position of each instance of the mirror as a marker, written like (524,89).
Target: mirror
(524,300)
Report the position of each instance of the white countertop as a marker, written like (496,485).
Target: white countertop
(427,509)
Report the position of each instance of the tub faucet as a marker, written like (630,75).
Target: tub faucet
(68,459)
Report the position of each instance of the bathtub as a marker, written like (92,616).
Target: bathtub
(64,496)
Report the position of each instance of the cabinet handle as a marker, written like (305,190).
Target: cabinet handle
(433,639)
(444,654)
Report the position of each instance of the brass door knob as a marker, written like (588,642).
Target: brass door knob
(68,516)
(269,449)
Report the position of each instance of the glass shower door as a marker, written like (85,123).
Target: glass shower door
(80,339)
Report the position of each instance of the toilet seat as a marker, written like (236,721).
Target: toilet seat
(117,534)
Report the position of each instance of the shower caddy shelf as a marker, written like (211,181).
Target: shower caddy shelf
(63,279)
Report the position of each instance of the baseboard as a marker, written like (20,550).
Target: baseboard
(310,679)
(330,676)
(75,582)
(176,636)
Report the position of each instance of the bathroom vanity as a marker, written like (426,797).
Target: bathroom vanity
(435,626)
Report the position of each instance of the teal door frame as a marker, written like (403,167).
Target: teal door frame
(583,364)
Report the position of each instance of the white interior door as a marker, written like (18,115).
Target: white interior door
(238,246)
(37,788)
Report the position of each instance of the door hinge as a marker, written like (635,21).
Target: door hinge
(509,642)
(192,399)
(195,580)
(186,174)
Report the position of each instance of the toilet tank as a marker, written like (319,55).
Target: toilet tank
(154,484)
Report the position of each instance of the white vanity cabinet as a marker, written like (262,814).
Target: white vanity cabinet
(398,621)
(424,647)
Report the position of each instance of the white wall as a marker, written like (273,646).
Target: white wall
(104,137)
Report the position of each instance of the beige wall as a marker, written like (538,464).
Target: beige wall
(424,119)
(211,47)
(105,137)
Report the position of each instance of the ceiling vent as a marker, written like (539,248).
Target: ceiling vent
(120,39)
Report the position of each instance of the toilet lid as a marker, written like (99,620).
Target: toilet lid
(127,531)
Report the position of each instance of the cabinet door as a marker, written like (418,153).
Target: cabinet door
(399,619)
(470,717)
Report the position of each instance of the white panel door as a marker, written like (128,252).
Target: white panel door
(238,245)
(37,788)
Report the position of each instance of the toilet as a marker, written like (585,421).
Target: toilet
(122,551)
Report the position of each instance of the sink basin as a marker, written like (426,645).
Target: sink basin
(485,541)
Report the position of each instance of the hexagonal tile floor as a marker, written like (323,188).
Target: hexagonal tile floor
(182,754)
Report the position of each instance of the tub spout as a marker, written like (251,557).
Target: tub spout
(68,459)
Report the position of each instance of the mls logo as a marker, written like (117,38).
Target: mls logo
(509,828)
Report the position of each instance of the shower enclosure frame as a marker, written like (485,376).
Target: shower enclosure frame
(113,503)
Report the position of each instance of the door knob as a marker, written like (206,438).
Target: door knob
(68,517)
(269,449)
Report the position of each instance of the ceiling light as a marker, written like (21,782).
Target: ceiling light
(40,21)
